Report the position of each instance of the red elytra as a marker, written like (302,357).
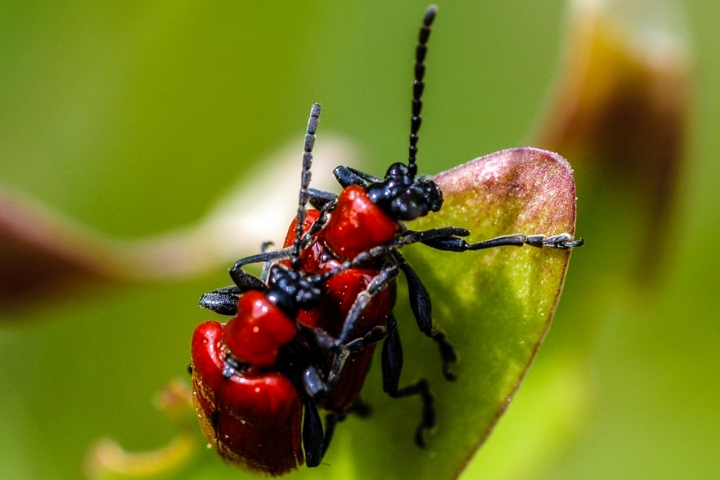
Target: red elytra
(357,225)
(251,416)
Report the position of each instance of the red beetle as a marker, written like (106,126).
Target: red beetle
(247,374)
(253,376)
(369,216)
(250,416)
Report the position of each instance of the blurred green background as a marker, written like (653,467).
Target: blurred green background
(133,117)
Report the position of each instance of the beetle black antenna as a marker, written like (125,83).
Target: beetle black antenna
(305,183)
(419,86)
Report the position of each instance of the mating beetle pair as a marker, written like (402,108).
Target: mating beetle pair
(302,335)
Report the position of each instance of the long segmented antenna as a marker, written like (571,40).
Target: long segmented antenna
(419,86)
(305,183)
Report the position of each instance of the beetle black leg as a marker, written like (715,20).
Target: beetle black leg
(313,437)
(313,384)
(386,276)
(427,236)
(371,338)
(347,176)
(447,354)
(563,241)
(322,220)
(222,301)
(264,256)
(392,362)
(375,335)
(244,280)
(365,176)
(422,309)
(419,298)
(447,239)
(319,198)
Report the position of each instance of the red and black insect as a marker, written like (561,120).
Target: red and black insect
(369,215)
(367,219)
(254,376)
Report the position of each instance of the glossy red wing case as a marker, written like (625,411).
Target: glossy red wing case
(357,224)
(252,420)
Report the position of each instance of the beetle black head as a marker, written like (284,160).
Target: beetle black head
(400,195)
(291,290)
(403,197)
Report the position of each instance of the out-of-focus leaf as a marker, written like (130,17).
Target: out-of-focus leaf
(43,253)
(620,110)
(40,252)
(108,460)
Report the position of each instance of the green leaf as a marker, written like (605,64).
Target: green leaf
(495,306)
